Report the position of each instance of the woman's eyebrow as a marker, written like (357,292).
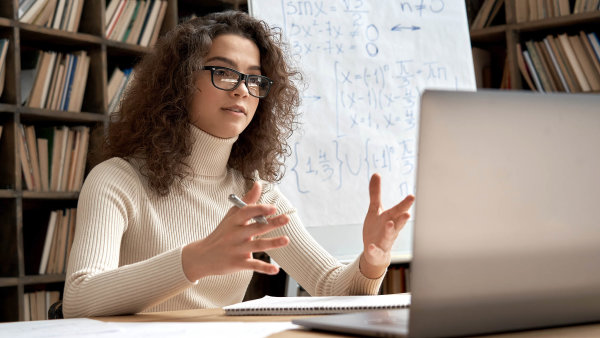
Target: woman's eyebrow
(229,62)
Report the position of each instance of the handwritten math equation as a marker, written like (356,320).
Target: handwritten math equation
(372,103)
(312,27)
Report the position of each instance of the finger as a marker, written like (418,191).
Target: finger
(401,222)
(399,209)
(375,193)
(264,244)
(262,267)
(251,211)
(252,196)
(258,229)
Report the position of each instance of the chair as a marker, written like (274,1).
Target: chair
(55,311)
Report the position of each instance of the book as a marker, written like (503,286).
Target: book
(114,83)
(483,14)
(73,160)
(158,25)
(60,7)
(3,52)
(25,159)
(533,10)
(75,17)
(26,309)
(70,234)
(59,145)
(110,11)
(564,7)
(41,69)
(553,60)
(53,82)
(123,21)
(24,7)
(595,43)
(573,62)
(482,60)
(493,13)
(34,11)
(523,67)
(42,145)
(66,161)
(590,51)
(81,158)
(60,83)
(62,242)
(539,69)
(33,159)
(567,73)
(548,69)
(69,79)
(48,242)
(45,14)
(136,29)
(150,24)
(521,11)
(585,62)
(113,21)
(138,7)
(80,81)
(269,305)
(66,14)
(532,70)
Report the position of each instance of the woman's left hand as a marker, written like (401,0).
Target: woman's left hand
(380,230)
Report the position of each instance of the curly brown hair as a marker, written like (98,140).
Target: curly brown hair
(153,123)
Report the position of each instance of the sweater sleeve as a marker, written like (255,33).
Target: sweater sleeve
(95,284)
(311,265)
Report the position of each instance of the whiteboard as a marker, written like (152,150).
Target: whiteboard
(366,64)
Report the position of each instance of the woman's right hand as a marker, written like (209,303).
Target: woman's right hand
(229,248)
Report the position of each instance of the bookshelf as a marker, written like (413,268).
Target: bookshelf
(509,28)
(24,213)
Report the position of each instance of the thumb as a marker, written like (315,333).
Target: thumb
(252,196)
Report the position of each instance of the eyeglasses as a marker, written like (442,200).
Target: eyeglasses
(229,79)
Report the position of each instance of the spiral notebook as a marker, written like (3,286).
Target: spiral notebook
(269,305)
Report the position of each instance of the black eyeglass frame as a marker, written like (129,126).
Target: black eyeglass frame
(241,77)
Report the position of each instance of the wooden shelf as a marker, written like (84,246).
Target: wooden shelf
(502,39)
(59,115)
(24,214)
(42,279)
(54,195)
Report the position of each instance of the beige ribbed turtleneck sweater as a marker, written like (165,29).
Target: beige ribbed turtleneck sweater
(126,255)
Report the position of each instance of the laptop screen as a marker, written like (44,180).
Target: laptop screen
(507,228)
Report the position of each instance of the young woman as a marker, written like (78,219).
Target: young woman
(207,115)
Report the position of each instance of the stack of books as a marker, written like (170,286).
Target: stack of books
(134,21)
(530,10)
(561,63)
(486,14)
(116,86)
(59,239)
(59,81)
(54,160)
(36,304)
(396,280)
(57,14)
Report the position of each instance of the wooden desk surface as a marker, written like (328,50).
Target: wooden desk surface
(218,315)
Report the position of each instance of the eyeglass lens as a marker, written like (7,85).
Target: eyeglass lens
(228,79)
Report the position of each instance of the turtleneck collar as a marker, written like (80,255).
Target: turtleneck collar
(209,153)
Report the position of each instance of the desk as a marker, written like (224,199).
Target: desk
(218,315)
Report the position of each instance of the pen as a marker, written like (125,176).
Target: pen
(240,204)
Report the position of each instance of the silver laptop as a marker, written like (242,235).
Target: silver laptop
(507,218)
